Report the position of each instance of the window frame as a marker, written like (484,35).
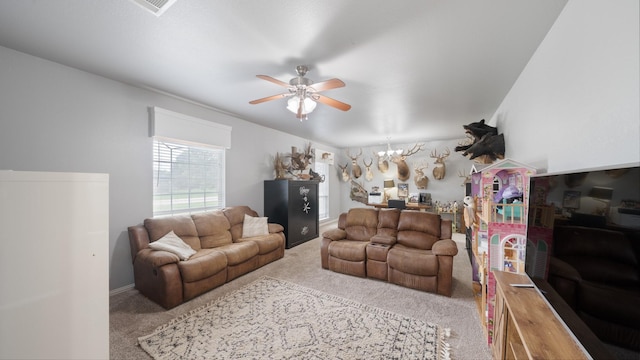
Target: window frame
(211,176)
(323,190)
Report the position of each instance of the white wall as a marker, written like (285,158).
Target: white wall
(55,118)
(575,105)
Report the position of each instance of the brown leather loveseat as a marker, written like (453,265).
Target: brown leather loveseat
(597,273)
(405,247)
(221,253)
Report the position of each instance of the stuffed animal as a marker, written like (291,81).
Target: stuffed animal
(487,143)
(469,211)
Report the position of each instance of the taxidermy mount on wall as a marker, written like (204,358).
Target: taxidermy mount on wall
(356,170)
(298,166)
(358,192)
(345,173)
(420,179)
(368,173)
(440,170)
(486,146)
(383,164)
(404,173)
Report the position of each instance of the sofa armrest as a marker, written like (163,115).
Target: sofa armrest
(446,228)
(335,234)
(446,247)
(383,239)
(156,258)
(138,240)
(275,228)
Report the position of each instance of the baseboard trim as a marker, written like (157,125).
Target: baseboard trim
(120,290)
(328,222)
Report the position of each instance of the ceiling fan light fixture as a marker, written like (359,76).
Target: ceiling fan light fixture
(308,105)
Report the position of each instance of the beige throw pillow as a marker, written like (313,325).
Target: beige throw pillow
(173,244)
(254,226)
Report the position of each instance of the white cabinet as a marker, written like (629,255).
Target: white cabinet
(54,265)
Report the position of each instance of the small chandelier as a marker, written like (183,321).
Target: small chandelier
(390,152)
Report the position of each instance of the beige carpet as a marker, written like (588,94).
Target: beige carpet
(133,316)
(276,319)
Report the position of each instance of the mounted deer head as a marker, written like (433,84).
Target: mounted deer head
(420,179)
(301,160)
(345,172)
(280,166)
(383,164)
(440,170)
(356,170)
(368,173)
(403,169)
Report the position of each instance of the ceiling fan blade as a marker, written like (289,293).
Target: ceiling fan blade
(273,80)
(327,85)
(269,98)
(331,102)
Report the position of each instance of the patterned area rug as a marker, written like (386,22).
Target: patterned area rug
(275,319)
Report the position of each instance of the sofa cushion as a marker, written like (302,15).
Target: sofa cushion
(418,230)
(173,244)
(388,222)
(266,243)
(213,229)
(348,250)
(254,226)
(235,215)
(182,225)
(413,261)
(361,224)
(203,264)
(239,252)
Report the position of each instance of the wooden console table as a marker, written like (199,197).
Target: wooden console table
(410,206)
(525,327)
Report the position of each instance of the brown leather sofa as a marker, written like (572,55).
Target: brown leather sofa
(597,273)
(405,247)
(222,254)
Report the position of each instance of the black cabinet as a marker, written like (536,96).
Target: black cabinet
(294,205)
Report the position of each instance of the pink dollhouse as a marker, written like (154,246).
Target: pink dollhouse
(501,192)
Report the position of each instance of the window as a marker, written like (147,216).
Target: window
(188,163)
(187,178)
(323,190)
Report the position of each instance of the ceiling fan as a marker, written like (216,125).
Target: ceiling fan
(303,93)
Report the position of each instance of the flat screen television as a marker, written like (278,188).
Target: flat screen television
(602,198)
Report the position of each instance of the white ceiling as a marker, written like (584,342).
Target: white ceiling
(414,70)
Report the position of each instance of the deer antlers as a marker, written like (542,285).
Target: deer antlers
(440,170)
(403,169)
(416,148)
(440,158)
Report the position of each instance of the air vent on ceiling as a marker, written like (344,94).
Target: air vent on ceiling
(157,7)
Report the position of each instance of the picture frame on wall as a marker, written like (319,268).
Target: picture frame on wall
(403,190)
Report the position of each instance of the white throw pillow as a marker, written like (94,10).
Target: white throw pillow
(254,226)
(173,244)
